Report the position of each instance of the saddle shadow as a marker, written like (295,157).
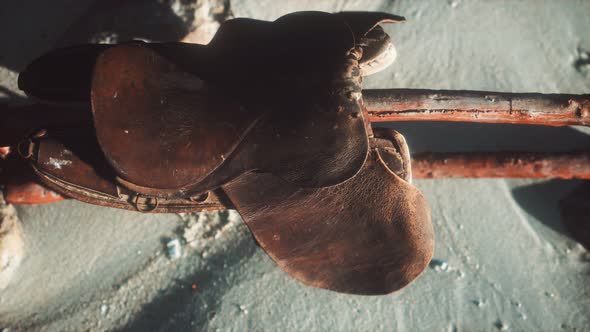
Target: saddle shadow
(109,21)
(192,302)
(465,137)
(60,23)
(540,199)
(575,213)
(83,22)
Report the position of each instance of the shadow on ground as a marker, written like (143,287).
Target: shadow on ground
(60,23)
(193,301)
(541,200)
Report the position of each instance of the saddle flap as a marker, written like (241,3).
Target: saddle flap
(159,127)
(72,158)
(70,162)
(369,235)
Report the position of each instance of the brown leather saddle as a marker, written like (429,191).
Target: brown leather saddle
(267,119)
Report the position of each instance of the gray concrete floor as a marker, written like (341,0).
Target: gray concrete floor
(511,265)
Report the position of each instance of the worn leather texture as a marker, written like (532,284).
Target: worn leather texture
(147,111)
(72,164)
(369,235)
(267,119)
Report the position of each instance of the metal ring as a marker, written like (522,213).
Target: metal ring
(200,198)
(136,202)
(20,148)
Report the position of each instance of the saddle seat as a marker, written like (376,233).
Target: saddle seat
(158,126)
(194,137)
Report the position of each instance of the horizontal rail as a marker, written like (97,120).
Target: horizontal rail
(530,165)
(386,105)
(535,165)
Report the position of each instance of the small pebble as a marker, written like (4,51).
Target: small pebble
(243,309)
(173,249)
(439,265)
(104,309)
(479,303)
(501,325)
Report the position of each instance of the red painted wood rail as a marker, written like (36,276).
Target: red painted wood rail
(391,105)
(477,106)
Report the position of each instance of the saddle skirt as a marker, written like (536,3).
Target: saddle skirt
(267,119)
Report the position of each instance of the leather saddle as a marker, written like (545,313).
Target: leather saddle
(267,119)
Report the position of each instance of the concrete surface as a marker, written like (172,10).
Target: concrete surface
(503,260)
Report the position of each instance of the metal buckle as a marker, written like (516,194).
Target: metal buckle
(141,200)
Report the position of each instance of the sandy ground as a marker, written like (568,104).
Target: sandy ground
(503,260)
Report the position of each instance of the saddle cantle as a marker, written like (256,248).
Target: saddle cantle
(267,119)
